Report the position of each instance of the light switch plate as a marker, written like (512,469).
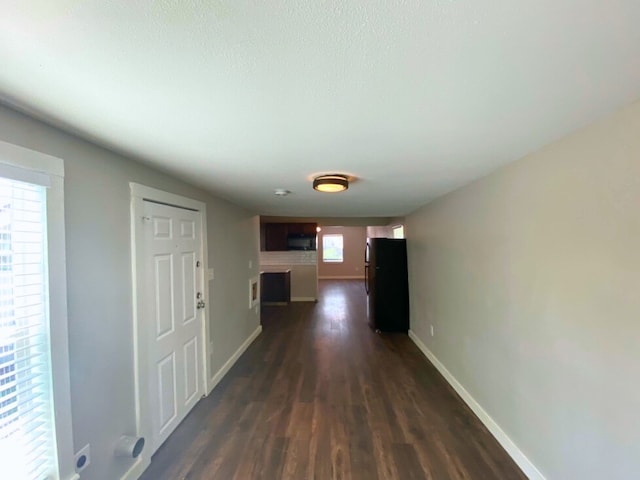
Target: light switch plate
(210,274)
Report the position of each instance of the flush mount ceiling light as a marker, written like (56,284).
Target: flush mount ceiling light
(331,183)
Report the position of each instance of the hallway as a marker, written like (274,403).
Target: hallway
(319,395)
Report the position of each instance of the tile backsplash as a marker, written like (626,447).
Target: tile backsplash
(294,257)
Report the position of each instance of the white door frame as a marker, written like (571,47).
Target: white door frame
(140,193)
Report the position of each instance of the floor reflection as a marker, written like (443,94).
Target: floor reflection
(340,307)
(333,304)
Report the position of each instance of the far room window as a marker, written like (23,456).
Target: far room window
(398,231)
(332,248)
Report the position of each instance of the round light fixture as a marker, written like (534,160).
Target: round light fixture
(281,192)
(331,183)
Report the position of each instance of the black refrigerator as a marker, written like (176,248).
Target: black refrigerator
(387,284)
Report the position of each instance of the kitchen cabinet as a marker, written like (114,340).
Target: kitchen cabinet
(275,234)
(275,287)
(302,228)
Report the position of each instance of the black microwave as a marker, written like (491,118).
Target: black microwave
(301,241)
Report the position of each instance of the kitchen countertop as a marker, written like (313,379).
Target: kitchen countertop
(274,269)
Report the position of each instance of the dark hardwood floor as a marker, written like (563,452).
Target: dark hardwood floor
(320,396)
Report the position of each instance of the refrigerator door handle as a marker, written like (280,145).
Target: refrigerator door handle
(366,278)
(366,268)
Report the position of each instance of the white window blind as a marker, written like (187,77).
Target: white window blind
(27,433)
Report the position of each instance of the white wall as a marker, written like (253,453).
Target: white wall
(531,278)
(354,242)
(99,281)
(384,231)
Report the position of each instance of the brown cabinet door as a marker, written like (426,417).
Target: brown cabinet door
(295,228)
(309,228)
(276,287)
(275,236)
(302,228)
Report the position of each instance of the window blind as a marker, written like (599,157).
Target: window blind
(27,434)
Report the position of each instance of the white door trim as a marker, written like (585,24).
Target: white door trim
(140,193)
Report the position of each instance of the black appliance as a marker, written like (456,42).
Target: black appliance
(387,284)
(301,241)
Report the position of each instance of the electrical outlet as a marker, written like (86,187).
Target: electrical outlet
(250,264)
(83,458)
(432,332)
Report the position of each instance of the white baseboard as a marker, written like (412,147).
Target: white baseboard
(345,277)
(213,381)
(303,299)
(137,469)
(512,449)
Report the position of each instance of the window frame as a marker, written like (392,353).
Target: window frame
(323,249)
(28,164)
(396,228)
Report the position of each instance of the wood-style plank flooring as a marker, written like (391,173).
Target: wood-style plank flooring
(320,396)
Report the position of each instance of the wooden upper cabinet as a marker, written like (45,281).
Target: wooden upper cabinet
(303,228)
(275,234)
(309,228)
(295,228)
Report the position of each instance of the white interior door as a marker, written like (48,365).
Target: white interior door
(174,314)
